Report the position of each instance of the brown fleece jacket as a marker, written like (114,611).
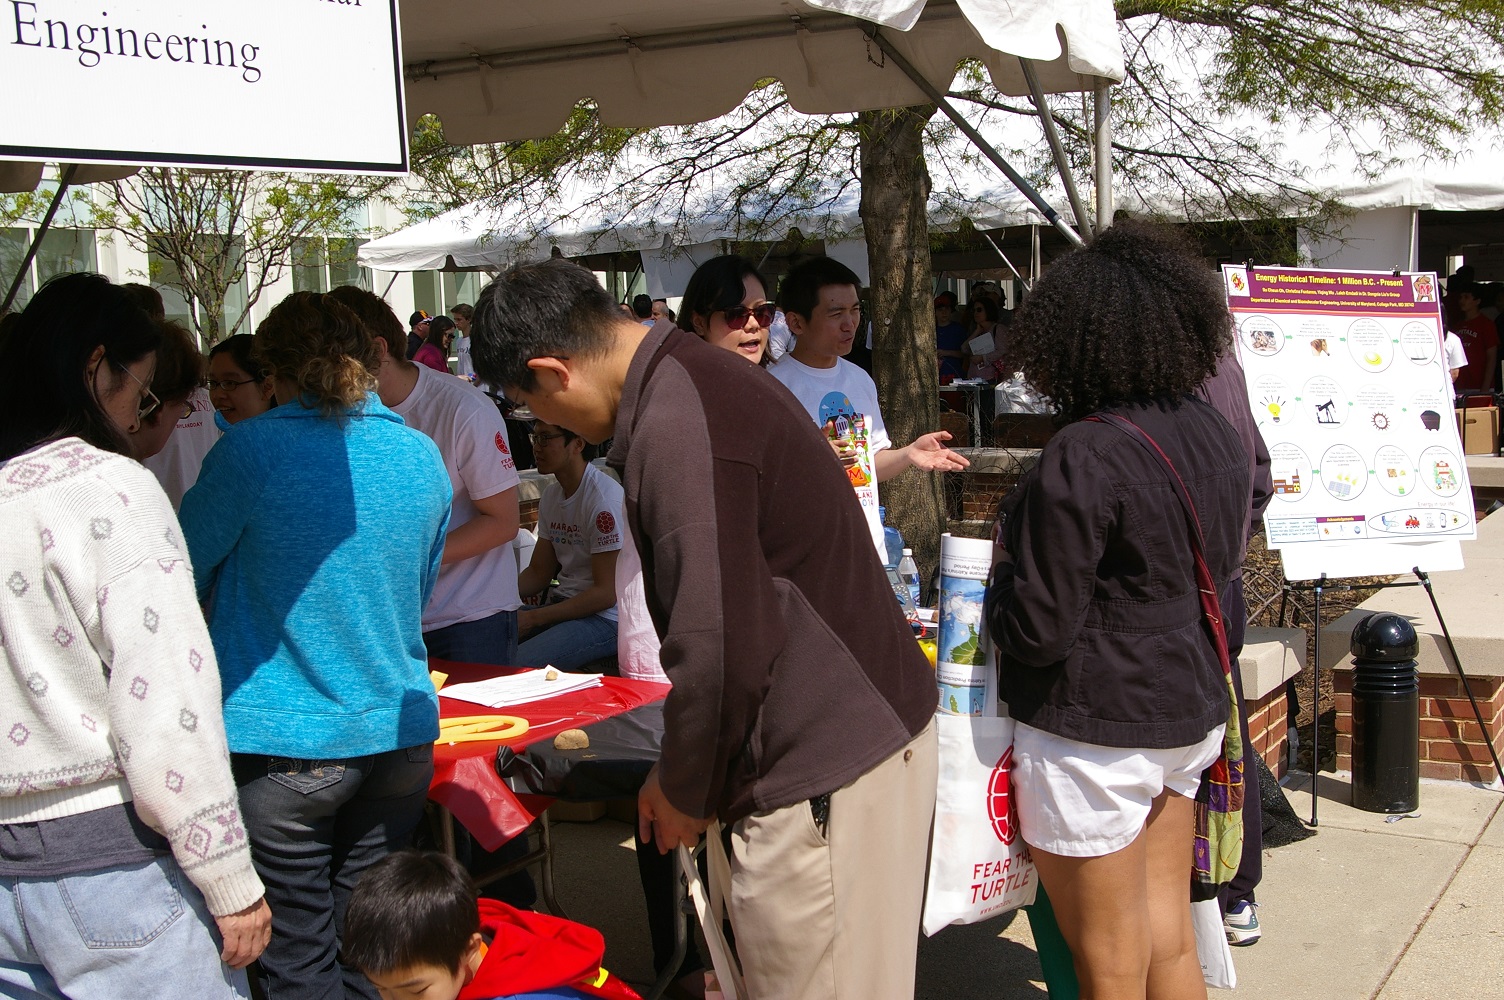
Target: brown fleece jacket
(794,671)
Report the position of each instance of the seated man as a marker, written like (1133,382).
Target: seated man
(415,929)
(579,535)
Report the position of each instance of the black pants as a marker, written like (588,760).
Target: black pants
(659,873)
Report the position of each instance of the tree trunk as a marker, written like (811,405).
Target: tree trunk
(895,193)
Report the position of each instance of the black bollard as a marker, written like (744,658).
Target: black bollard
(1386,715)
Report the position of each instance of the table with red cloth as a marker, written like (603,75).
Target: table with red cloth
(465,781)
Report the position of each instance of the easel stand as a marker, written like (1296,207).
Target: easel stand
(1317,587)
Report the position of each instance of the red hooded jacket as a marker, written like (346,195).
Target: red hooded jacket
(534,951)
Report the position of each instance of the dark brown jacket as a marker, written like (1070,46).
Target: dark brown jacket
(794,672)
(1098,623)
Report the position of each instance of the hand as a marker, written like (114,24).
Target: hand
(527,621)
(928,452)
(659,822)
(246,934)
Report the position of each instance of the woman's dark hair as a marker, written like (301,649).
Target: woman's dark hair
(438,327)
(716,285)
(239,348)
(1135,315)
(180,366)
(319,345)
(410,909)
(45,391)
(988,306)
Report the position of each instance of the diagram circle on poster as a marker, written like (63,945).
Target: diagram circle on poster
(1344,472)
(1318,335)
(1262,335)
(1419,343)
(1275,403)
(1324,402)
(1395,471)
(1375,406)
(1291,471)
(1370,345)
(1430,408)
(1440,471)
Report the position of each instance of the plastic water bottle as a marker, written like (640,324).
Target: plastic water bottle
(908,571)
(892,541)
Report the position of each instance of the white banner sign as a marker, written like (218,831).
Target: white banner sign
(282,84)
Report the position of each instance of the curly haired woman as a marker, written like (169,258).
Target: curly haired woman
(1107,663)
(320,555)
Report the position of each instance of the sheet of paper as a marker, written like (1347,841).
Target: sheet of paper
(520,689)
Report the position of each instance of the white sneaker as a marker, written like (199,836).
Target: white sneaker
(1242,924)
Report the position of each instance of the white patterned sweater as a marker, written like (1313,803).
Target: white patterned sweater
(110,691)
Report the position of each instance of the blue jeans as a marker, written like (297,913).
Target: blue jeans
(315,826)
(490,640)
(569,645)
(136,930)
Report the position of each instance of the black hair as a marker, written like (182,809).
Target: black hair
(180,366)
(409,909)
(716,284)
(800,291)
(588,451)
(45,392)
(1136,315)
(437,327)
(376,316)
(147,298)
(642,305)
(238,348)
(548,308)
(988,306)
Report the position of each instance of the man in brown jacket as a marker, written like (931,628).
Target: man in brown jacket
(800,716)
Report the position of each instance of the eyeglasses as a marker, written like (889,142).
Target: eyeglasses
(544,438)
(737,315)
(149,404)
(226,384)
(187,411)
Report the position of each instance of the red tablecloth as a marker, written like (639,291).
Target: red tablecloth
(464,775)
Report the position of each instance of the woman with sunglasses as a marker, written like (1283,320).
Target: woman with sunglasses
(238,386)
(726,304)
(119,824)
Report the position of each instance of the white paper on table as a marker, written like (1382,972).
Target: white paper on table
(520,689)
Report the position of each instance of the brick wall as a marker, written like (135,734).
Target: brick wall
(1269,729)
(979,493)
(1451,742)
(527,514)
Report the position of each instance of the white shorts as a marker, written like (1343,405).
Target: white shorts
(1081,800)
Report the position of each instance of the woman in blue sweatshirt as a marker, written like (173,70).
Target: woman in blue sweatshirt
(316,533)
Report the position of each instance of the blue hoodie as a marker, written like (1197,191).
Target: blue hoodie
(319,540)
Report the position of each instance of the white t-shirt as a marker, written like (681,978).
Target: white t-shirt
(1456,353)
(463,367)
(843,402)
(579,527)
(780,337)
(176,465)
(637,642)
(472,437)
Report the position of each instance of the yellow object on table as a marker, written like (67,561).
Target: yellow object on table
(438,677)
(931,650)
(481,728)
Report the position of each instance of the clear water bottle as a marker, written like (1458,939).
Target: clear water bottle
(892,541)
(908,571)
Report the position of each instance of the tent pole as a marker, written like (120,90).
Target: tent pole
(36,243)
(1057,149)
(1036,258)
(971,133)
(1102,142)
(1028,285)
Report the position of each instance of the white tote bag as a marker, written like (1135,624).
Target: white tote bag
(1212,947)
(979,865)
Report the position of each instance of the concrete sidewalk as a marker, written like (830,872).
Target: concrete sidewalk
(1365,910)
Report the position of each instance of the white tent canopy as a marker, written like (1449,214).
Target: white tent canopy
(495,71)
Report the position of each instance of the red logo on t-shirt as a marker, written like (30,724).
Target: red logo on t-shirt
(501,443)
(605,523)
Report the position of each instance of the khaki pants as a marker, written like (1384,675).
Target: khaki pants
(825,917)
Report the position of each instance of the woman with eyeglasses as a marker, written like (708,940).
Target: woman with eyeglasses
(726,304)
(178,372)
(120,832)
(237,385)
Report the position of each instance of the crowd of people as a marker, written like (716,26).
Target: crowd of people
(219,673)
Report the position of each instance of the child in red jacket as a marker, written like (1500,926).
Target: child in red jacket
(415,929)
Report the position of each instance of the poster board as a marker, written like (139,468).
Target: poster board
(1349,388)
(282,84)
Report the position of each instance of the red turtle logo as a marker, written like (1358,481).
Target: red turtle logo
(501,443)
(605,524)
(1000,800)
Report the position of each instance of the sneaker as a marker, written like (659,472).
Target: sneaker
(1242,923)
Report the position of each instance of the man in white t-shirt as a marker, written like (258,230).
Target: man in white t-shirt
(822,304)
(472,616)
(462,313)
(1456,354)
(579,536)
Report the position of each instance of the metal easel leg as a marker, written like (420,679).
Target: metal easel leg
(1425,581)
(1316,703)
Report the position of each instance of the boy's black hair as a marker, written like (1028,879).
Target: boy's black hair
(800,291)
(552,308)
(642,305)
(410,909)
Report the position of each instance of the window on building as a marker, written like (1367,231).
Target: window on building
(321,263)
(62,251)
(437,292)
(166,279)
